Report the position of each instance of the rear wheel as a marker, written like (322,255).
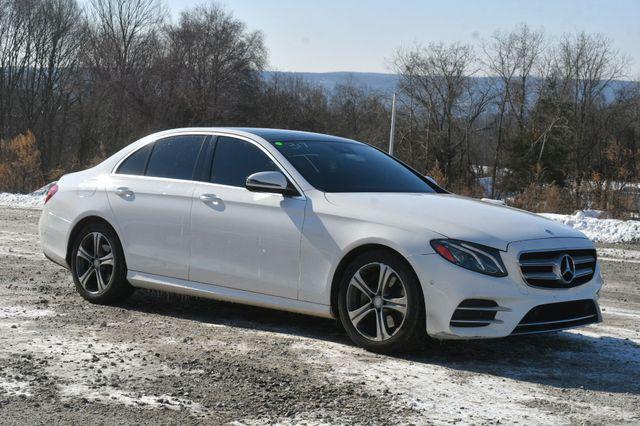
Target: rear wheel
(98,267)
(380,304)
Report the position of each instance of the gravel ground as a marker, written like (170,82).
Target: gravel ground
(164,359)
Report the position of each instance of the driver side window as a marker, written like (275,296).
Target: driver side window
(235,159)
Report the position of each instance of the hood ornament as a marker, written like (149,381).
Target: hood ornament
(565,269)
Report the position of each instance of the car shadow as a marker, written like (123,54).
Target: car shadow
(562,360)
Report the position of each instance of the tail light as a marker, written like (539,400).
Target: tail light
(52,191)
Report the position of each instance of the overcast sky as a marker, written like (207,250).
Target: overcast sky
(352,35)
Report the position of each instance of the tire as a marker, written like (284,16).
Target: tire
(112,287)
(367,315)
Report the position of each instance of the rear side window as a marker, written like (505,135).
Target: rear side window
(135,163)
(175,157)
(234,160)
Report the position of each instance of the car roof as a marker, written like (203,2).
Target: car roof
(274,135)
(270,135)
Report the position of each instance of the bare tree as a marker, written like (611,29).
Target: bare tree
(511,57)
(585,67)
(360,113)
(211,56)
(123,47)
(290,102)
(435,80)
(39,43)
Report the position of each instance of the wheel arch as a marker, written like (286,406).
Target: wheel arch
(75,230)
(348,258)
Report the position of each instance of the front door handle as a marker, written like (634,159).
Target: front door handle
(124,192)
(209,198)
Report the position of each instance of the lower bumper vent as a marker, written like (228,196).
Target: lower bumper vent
(476,313)
(558,316)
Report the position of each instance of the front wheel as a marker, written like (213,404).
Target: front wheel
(98,266)
(380,303)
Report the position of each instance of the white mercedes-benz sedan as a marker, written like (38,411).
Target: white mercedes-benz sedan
(318,225)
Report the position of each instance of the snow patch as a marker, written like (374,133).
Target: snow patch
(109,395)
(621,255)
(14,387)
(24,312)
(21,201)
(485,397)
(19,252)
(34,200)
(628,313)
(83,366)
(427,388)
(599,230)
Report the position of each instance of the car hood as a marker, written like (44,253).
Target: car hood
(452,216)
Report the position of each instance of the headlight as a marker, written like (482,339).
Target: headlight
(474,257)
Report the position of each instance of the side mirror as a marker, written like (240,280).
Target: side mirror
(274,182)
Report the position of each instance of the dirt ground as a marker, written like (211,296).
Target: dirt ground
(162,359)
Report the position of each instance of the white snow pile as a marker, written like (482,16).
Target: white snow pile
(34,200)
(601,230)
(21,201)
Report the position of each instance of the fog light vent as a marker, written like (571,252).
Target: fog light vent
(476,313)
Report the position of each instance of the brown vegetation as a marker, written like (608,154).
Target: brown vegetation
(20,169)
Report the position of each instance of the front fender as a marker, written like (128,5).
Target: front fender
(328,238)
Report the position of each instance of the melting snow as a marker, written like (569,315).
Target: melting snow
(24,312)
(34,200)
(21,201)
(11,386)
(600,230)
(109,394)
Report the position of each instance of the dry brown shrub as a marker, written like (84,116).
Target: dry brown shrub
(437,174)
(20,168)
(55,174)
(546,198)
(623,205)
(475,191)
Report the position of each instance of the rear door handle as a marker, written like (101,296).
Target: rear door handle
(210,198)
(124,192)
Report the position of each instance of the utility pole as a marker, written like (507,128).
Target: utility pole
(393,124)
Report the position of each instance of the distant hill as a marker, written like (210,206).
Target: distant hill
(387,83)
(328,80)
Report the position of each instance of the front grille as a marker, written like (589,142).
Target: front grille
(543,268)
(476,313)
(558,316)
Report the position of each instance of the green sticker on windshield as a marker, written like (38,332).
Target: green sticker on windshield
(279,143)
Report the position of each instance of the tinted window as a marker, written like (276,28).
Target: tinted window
(332,166)
(175,157)
(235,159)
(134,164)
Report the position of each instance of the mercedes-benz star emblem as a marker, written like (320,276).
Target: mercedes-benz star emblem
(567,269)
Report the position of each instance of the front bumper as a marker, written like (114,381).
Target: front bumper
(445,286)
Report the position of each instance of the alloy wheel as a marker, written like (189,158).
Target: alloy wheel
(94,263)
(376,301)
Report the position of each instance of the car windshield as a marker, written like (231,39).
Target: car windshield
(336,166)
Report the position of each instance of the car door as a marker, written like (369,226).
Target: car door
(150,195)
(241,239)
